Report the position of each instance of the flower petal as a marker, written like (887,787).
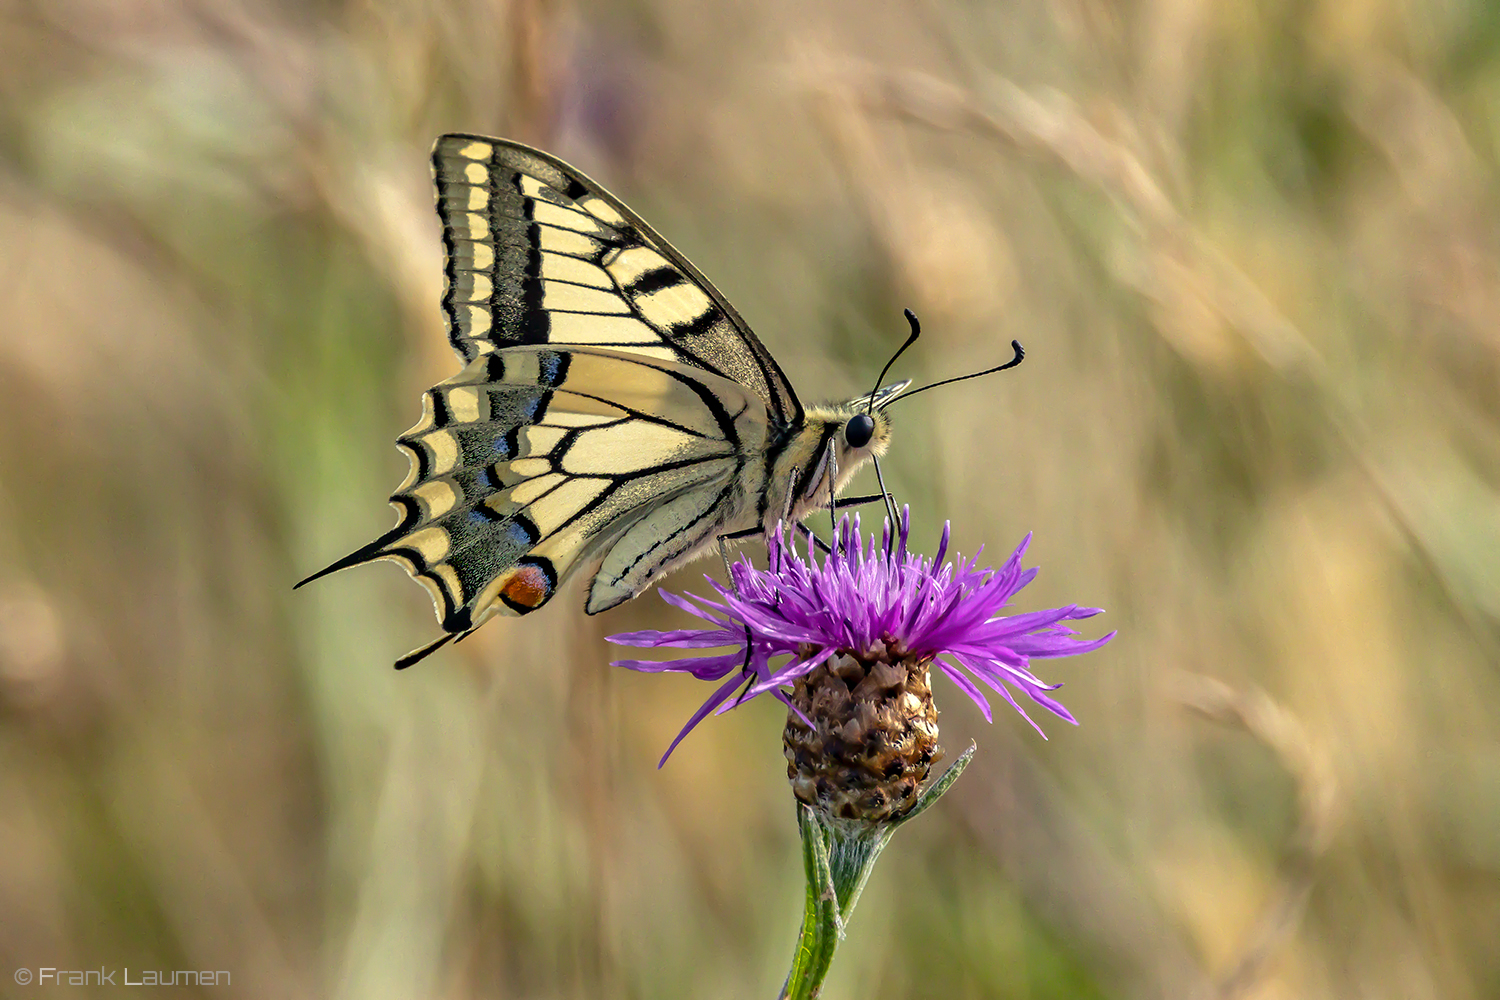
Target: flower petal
(786,700)
(967,687)
(861,596)
(1004,693)
(705,668)
(688,638)
(723,692)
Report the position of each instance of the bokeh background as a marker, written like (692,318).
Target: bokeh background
(1252,248)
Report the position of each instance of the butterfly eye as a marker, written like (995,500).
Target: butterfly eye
(859,430)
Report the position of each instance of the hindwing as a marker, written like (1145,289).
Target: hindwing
(535,461)
(537,253)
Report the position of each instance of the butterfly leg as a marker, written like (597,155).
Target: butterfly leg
(724,548)
(745,669)
(844,502)
(786,515)
(890,502)
(833,500)
(723,553)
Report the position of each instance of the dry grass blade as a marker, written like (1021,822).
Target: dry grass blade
(1317,813)
(1055,132)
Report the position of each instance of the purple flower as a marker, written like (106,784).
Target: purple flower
(874,603)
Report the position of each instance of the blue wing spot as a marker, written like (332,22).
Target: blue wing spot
(522,531)
(534,408)
(553,368)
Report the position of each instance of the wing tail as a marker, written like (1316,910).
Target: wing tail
(365,553)
(422,652)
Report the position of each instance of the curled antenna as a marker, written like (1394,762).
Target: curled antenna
(1015,345)
(916,331)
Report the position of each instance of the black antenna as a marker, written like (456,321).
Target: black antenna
(1015,345)
(916,331)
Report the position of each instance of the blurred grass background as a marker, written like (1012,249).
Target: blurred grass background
(1252,248)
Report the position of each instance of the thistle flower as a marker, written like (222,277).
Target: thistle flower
(860,630)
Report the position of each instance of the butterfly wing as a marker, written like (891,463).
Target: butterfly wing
(537,253)
(614,411)
(535,461)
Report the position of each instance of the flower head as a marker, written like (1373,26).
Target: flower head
(873,604)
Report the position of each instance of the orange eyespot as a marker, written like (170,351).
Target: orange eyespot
(528,588)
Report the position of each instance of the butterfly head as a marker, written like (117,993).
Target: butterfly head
(863,428)
(851,431)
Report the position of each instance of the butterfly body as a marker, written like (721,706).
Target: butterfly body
(615,415)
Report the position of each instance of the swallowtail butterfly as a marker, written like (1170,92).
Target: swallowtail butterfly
(615,416)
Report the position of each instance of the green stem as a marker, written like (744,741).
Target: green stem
(821,924)
(837,859)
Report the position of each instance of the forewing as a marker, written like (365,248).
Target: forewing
(533,461)
(537,253)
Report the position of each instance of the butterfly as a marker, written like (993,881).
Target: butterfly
(614,417)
